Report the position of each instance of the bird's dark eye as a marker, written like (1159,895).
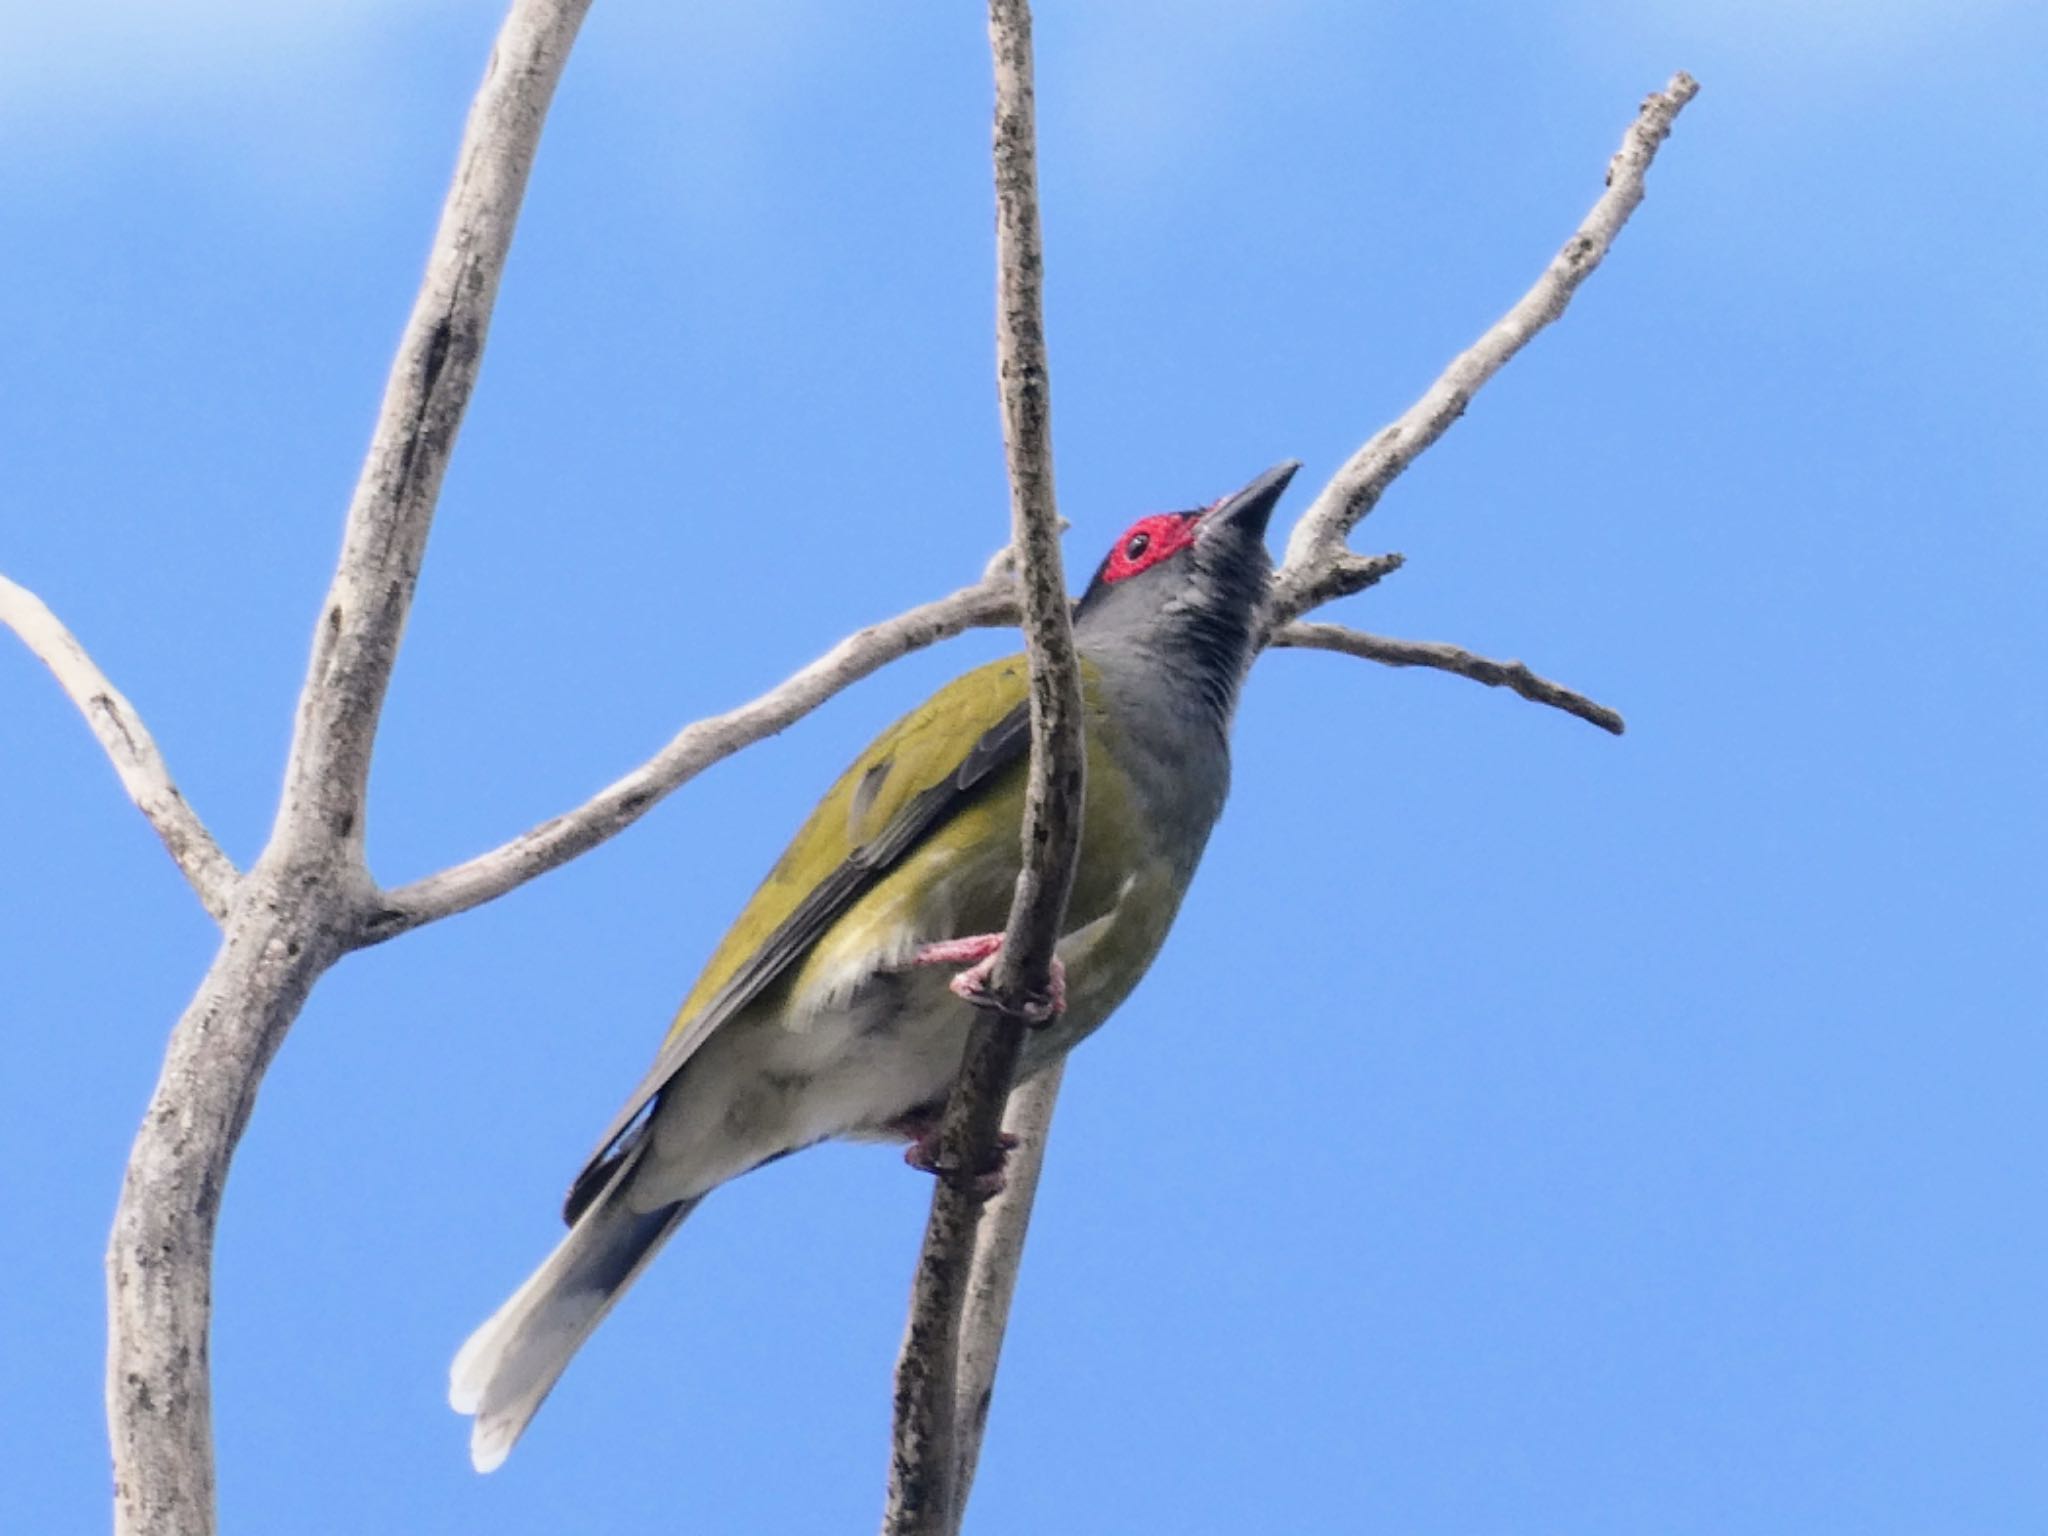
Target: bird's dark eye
(1137,545)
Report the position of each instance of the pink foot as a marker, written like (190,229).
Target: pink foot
(979,953)
(923,1155)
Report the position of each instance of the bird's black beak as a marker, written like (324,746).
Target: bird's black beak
(1249,509)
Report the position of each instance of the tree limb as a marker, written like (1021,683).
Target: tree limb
(992,1282)
(309,897)
(929,1449)
(128,745)
(302,904)
(385,538)
(1449,658)
(1337,575)
(989,602)
(926,1485)
(1318,538)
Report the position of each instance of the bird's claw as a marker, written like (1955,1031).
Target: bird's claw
(971,985)
(923,1155)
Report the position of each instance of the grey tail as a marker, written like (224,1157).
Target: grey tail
(509,1365)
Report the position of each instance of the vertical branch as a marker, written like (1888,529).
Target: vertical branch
(1052,813)
(302,905)
(925,1485)
(998,1254)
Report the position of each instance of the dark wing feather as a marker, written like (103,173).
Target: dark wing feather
(1001,745)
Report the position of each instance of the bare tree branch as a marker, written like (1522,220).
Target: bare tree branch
(385,538)
(128,745)
(998,1253)
(306,895)
(1318,539)
(925,1482)
(426,395)
(1449,658)
(309,898)
(1339,574)
(989,602)
(930,1449)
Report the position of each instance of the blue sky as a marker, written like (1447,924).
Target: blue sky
(1524,1130)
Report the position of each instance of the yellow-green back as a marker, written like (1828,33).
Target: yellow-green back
(915,753)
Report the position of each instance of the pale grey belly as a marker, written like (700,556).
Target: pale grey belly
(757,1089)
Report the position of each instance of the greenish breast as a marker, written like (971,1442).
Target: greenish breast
(965,870)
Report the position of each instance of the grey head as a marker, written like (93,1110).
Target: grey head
(1180,594)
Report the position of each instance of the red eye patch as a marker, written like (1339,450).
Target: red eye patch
(1147,542)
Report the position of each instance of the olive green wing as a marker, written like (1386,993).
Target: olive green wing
(909,782)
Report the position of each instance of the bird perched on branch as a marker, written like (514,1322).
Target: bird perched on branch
(834,1006)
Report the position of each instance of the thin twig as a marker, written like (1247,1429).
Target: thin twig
(1449,658)
(305,895)
(128,745)
(989,602)
(1319,537)
(925,1485)
(1338,574)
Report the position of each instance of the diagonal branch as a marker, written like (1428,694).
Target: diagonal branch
(1448,658)
(926,1485)
(355,643)
(128,745)
(1318,539)
(989,602)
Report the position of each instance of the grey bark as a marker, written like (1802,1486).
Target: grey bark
(1455,659)
(1318,538)
(129,747)
(310,899)
(925,1468)
(303,904)
(933,1461)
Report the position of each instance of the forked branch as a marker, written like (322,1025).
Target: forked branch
(309,887)
(1319,568)
(309,898)
(1317,542)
